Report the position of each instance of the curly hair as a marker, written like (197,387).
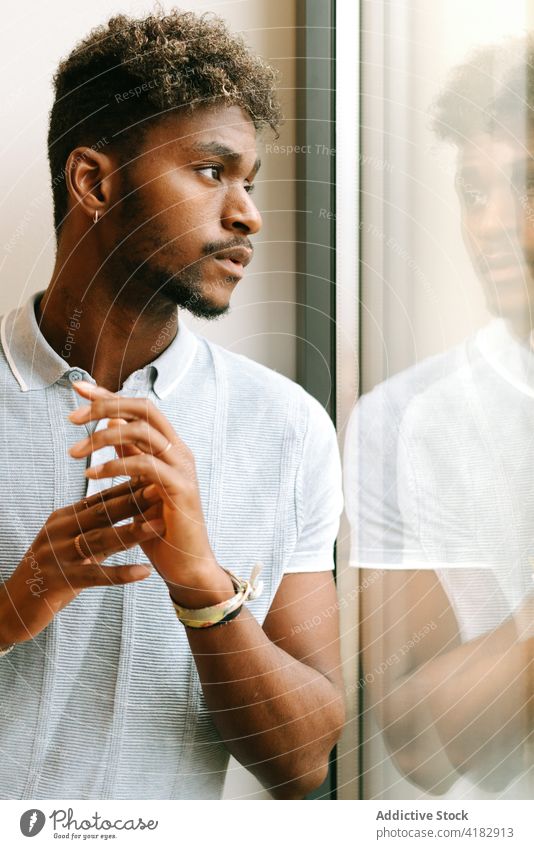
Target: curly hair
(130,72)
(491,92)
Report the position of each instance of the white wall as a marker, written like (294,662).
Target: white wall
(34,37)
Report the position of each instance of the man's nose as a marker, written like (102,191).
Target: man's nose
(241,214)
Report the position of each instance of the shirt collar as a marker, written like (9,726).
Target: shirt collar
(174,362)
(36,365)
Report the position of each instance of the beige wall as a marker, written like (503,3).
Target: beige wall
(263,315)
(33,38)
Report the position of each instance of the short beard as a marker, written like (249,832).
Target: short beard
(186,291)
(184,288)
(138,266)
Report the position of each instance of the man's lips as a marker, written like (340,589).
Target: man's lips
(231,269)
(233,260)
(238,255)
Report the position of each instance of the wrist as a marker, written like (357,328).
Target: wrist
(202,587)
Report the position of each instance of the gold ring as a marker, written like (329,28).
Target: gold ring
(78,547)
(161,453)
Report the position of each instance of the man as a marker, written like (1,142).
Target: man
(439,482)
(110,689)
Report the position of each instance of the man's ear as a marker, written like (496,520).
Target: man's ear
(89,176)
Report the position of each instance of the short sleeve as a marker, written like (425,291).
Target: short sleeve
(378,486)
(319,496)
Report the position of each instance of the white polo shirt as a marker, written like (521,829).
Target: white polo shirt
(438,467)
(106,701)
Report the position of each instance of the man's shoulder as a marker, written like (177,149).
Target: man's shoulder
(255,383)
(435,374)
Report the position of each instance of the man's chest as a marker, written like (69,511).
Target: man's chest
(247,492)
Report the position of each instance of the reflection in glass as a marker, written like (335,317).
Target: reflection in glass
(439,481)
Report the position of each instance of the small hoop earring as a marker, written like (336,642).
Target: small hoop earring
(95,216)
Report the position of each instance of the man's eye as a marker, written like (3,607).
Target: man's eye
(214,171)
(250,187)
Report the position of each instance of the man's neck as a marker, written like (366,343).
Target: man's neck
(108,336)
(521,330)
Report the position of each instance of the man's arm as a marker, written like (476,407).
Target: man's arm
(276,694)
(445,707)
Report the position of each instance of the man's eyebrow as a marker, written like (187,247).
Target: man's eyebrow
(225,152)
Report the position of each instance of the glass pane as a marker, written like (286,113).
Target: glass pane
(439,454)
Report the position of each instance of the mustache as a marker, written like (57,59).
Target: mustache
(211,248)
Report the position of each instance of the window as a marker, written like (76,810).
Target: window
(435,286)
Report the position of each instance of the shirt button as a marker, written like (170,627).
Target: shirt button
(75,375)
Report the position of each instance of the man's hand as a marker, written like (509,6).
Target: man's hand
(52,572)
(151,452)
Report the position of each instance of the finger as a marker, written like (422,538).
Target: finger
(118,407)
(123,450)
(101,543)
(96,575)
(97,497)
(138,435)
(151,469)
(153,512)
(109,512)
(91,390)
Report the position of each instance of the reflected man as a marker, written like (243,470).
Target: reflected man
(439,481)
